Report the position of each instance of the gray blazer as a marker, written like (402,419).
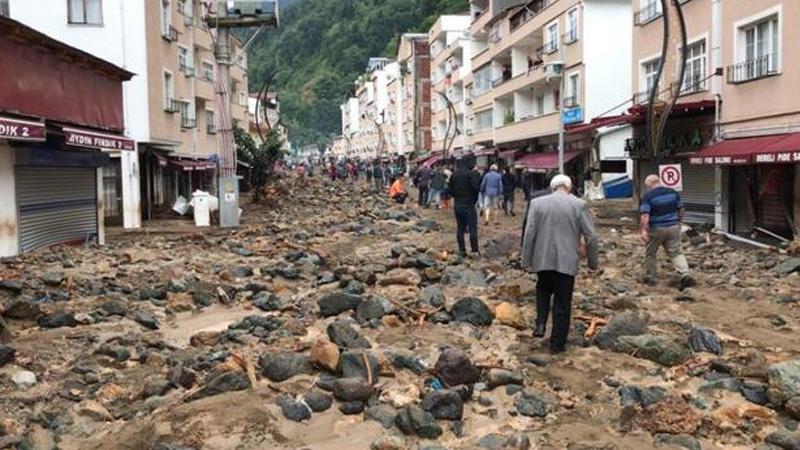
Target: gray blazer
(555,224)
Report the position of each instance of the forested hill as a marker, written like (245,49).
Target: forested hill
(321,48)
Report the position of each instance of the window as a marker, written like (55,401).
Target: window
(573,89)
(495,34)
(84,12)
(694,80)
(187,114)
(649,11)
(166,17)
(184,60)
(551,43)
(208,71)
(482,80)
(572,26)
(650,73)
(210,127)
(4,8)
(540,104)
(759,51)
(169,92)
(483,120)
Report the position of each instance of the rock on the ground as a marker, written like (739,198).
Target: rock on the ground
(115,351)
(94,410)
(784,439)
(628,323)
(6,354)
(683,441)
(432,296)
(406,360)
(518,441)
(444,404)
(664,350)
(630,395)
(531,404)
(672,415)
(788,266)
(784,381)
(705,340)
(383,414)
(267,301)
(461,277)
(454,368)
(336,303)
(508,314)
(58,319)
(404,277)
(293,410)
(359,364)
(52,278)
(114,308)
(325,355)
(351,408)
(146,320)
(23,309)
(224,382)
(284,365)
(793,407)
(412,419)
(344,335)
(352,389)
(318,401)
(472,310)
(371,308)
(23,379)
(501,377)
(388,443)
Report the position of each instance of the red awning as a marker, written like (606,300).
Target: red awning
(599,122)
(509,154)
(776,149)
(188,165)
(431,161)
(542,162)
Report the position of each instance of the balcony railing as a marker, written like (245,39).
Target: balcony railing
(641,98)
(571,102)
(171,106)
(187,70)
(211,129)
(169,33)
(648,13)
(528,12)
(188,122)
(753,69)
(694,82)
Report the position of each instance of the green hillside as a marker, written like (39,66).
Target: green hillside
(323,45)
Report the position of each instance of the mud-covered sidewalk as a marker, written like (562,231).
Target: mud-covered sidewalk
(334,320)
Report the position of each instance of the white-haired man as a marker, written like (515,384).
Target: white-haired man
(551,248)
(661,216)
(492,191)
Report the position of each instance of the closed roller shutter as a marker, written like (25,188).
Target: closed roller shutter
(56,205)
(699,193)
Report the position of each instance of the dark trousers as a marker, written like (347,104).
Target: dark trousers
(558,287)
(401,197)
(508,202)
(422,200)
(467,220)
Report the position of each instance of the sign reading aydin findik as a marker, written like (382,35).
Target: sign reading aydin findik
(92,139)
(22,130)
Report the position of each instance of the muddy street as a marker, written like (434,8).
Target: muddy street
(333,319)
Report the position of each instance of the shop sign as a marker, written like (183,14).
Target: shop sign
(674,143)
(100,141)
(572,115)
(774,158)
(722,160)
(21,130)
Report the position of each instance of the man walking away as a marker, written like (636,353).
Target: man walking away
(377,176)
(509,187)
(661,217)
(464,187)
(423,180)
(436,187)
(492,190)
(552,239)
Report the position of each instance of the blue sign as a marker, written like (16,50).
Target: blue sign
(572,115)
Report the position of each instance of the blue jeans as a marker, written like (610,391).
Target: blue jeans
(467,220)
(434,195)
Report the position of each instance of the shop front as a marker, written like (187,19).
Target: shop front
(762,183)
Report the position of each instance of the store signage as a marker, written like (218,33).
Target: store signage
(775,158)
(21,130)
(757,158)
(671,176)
(675,143)
(92,139)
(572,115)
(724,160)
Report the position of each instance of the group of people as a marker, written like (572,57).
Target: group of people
(557,232)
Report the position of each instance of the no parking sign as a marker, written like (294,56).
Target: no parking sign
(671,176)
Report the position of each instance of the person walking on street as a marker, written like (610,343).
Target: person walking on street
(464,186)
(492,190)
(422,180)
(436,187)
(446,191)
(661,217)
(377,176)
(551,248)
(509,188)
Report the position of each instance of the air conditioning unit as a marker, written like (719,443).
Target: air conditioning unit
(251,8)
(553,69)
(468,101)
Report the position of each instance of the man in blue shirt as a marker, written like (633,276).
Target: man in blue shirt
(661,216)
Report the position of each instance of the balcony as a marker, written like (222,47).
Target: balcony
(501,79)
(187,70)
(528,128)
(188,122)
(647,13)
(171,106)
(528,12)
(549,47)
(169,33)
(753,69)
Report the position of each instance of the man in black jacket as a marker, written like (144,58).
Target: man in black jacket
(509,187)
(464,187)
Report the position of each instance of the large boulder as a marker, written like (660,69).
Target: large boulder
(336,303)
(344,335)
(414,420)
(460,277)
(359,363)
(6,354)
(325,355)
(784,381)
(224,382)
(629,323)
(664,350)
(444,404)
(531,404)
(508,314)
(352,389)
(58,319)
(454,368)
(284,365)
(293,410)
(405,277)
(472,310)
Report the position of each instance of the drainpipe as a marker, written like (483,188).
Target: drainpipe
(716,63)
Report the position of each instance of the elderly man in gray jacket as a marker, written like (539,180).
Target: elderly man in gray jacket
(552,248)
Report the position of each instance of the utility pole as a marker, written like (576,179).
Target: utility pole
(561,89)
(228,184)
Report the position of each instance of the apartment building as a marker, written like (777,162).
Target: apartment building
(520,51)
(413,57)
(736,128)
(170,104)
(451,63)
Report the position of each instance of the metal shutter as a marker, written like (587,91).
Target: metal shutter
(699,193)
(56,205)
